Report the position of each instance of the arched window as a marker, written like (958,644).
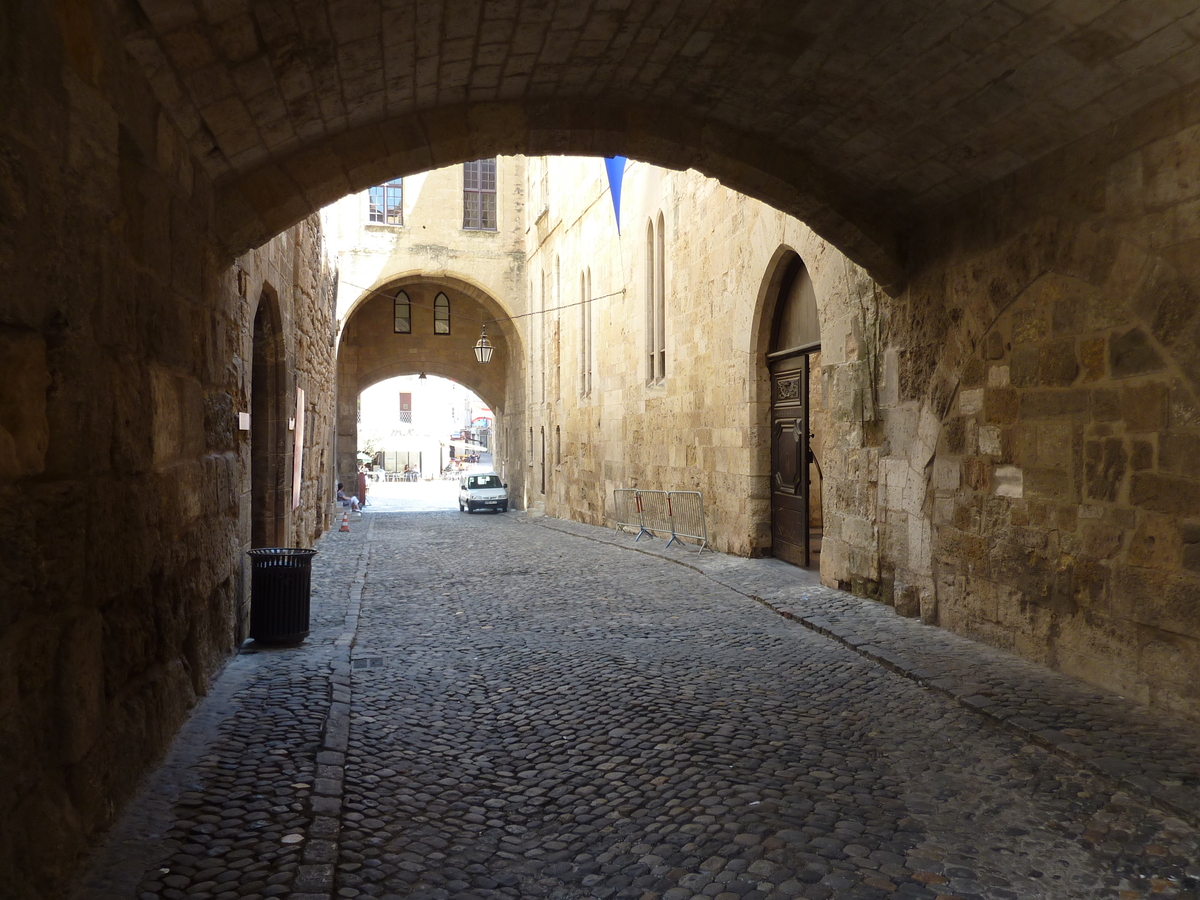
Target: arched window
(441,314)
(402,310)
(656,313)
(541,336)
(660,299)
(557,327)
(585,332)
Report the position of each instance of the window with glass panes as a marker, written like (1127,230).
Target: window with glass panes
(479,195)
(403,314)
(441,314)
(386,203)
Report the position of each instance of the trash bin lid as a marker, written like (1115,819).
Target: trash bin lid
(281,552)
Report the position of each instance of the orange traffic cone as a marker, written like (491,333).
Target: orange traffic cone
(345,522)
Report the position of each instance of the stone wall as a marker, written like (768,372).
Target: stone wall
(705,426)
(1038,483)
(296,275)
(123,348)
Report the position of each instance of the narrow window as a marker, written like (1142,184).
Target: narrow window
(557,328)
(403,313)
(541,341)
(660,304)
(651,329)
(585,332)
(655,281)
(531,368)
(583,322)
(558,445)
(591,321)
(479,195)
(386,203)
(441,314)
(543,431)
(545,205)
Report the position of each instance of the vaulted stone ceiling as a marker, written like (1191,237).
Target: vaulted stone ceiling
(855,115)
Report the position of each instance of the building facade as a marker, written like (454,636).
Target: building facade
(417,291)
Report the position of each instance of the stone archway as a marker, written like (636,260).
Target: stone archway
(268,445)
(786,363)
(371,351)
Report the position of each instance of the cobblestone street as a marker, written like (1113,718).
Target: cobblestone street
(500,706)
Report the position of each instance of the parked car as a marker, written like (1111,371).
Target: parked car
(482,490)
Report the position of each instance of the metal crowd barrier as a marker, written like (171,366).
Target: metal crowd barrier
(628,510)
(679,514)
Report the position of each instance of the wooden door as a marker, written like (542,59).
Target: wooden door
(789,459)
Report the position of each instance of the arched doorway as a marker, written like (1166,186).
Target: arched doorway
(792,360)
(268,492)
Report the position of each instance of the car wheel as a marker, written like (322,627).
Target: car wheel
(460,506)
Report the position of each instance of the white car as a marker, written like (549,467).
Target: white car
(482,490)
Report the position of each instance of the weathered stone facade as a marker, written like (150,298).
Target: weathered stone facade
(1009,447)
(705,426)
(1046,352)
(125,351)
(139,547)
(480,271)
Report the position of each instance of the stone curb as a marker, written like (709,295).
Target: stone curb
(315,877)
(1182,802)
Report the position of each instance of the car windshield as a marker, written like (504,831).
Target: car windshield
(483,481)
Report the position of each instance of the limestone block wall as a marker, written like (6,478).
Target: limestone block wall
(122,368)
(1064,477)
(296,276)
(1038,484)
(704,427)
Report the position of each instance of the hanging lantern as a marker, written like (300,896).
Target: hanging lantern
(483,347)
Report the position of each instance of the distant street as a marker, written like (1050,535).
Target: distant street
(412,496)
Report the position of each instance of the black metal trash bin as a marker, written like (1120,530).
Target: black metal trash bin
(280,592)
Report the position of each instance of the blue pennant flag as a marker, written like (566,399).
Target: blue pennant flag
(615,165)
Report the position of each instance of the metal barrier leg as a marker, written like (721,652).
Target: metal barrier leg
(641,520)
(671,519)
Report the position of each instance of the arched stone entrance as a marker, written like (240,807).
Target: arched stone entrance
(374,347)
(268,446)
(793,359)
